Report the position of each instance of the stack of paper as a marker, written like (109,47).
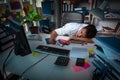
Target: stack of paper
(79,52)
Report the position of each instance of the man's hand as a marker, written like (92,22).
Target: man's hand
(53,37)
(52,41)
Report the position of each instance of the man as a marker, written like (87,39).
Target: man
(75,31)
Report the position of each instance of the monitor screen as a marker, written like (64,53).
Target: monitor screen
(21,43)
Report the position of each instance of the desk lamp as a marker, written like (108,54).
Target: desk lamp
(99,11)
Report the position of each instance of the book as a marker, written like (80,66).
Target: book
(111,31)
(108,29)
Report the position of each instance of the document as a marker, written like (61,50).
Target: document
(78,52)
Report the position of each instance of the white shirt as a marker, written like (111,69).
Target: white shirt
(70,29)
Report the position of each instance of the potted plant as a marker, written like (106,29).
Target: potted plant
(30,17)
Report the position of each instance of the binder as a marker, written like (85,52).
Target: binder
(6,38)
(104,45)
(6,46)
(2,34)
(111,42)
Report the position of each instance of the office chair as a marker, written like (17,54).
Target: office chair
(72,17)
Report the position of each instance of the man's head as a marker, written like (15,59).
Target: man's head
(87,32)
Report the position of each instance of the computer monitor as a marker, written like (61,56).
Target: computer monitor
(21,43)
(14,6)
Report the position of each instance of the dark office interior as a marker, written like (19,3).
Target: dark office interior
(25,51)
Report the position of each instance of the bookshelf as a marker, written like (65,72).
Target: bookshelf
(80,6)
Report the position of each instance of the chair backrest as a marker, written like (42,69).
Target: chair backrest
(72,17)
(45,26)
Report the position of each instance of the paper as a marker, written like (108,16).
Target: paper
(77,68)
(86,65)
(79,52)
(62,37)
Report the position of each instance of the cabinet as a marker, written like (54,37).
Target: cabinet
(107,58)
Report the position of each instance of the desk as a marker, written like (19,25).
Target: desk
(45,69)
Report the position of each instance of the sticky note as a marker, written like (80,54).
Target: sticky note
(3,19)
(86,65)
(77,68)
(35,54)
(86,60)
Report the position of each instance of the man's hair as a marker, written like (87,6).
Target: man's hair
(91,31)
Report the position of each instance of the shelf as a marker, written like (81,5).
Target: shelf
(112,65)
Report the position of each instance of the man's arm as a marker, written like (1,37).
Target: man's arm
(53,36)
(88,40)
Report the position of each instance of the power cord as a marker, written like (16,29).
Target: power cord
(4,63)
(32,66)
(1,76)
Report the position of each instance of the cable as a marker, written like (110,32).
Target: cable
(3,68)
(32,66)
(4,72)
(1,76)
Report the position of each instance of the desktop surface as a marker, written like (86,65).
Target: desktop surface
(43,67)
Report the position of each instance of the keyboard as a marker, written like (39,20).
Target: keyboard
(53,50)
(63,61)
